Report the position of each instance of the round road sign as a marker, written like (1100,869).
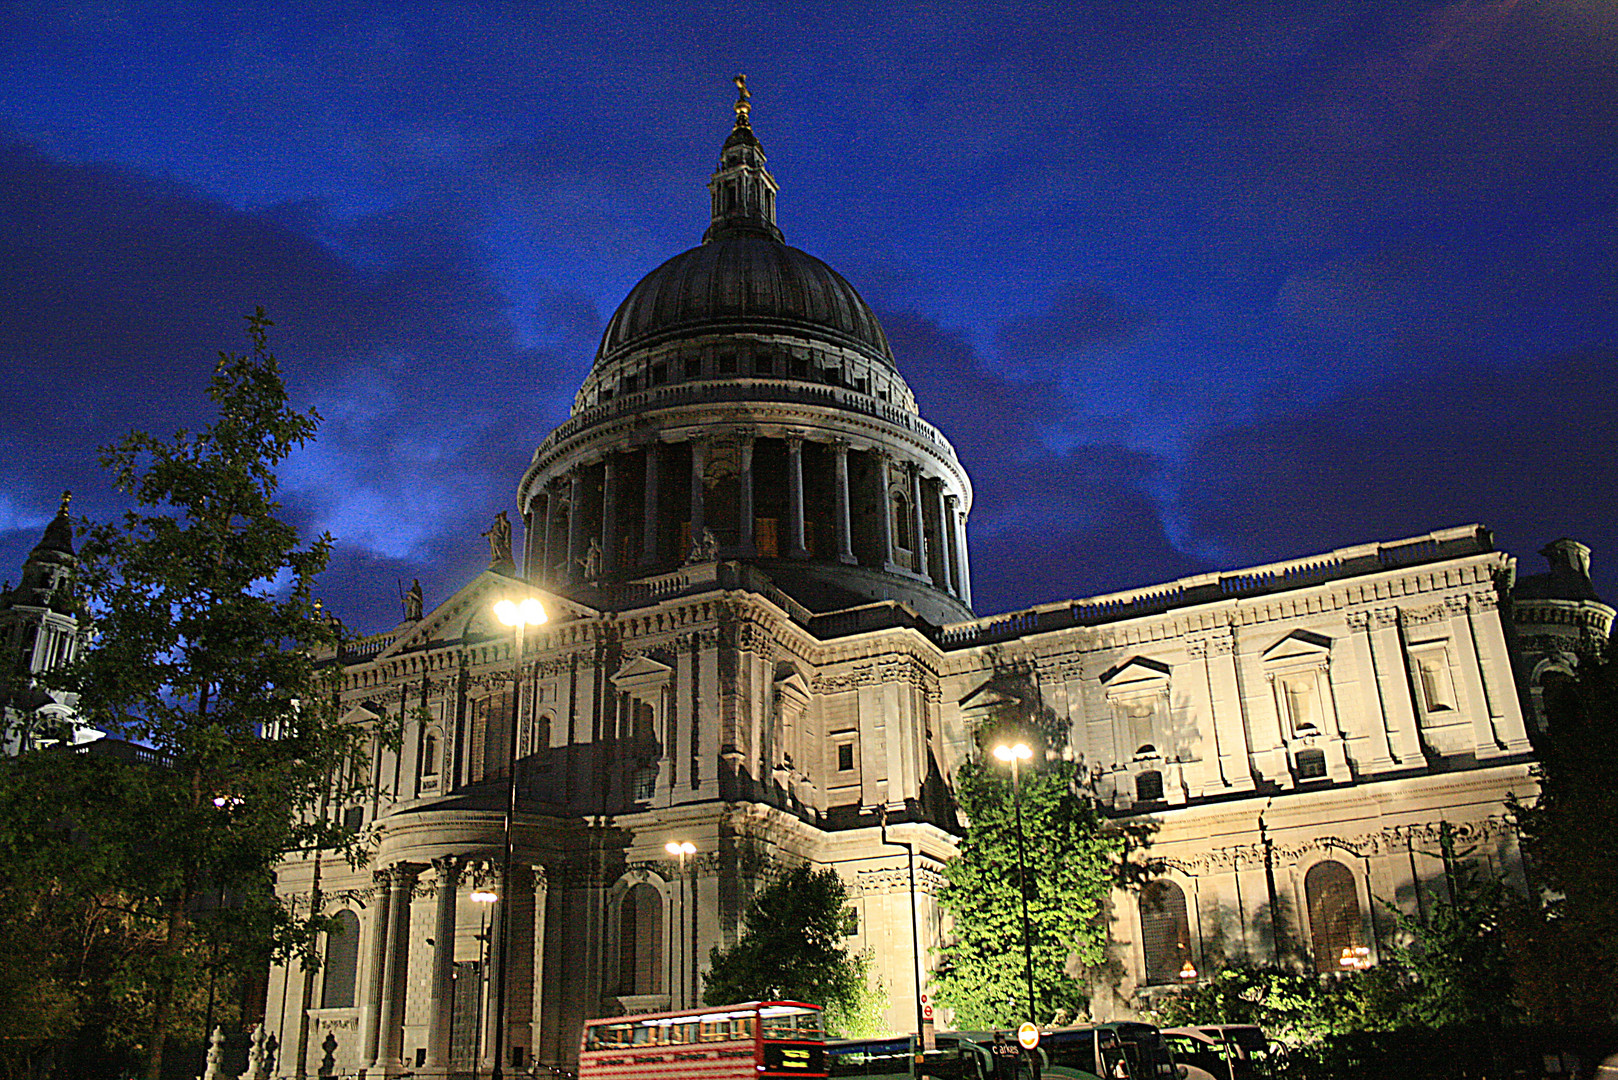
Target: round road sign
(1027,1035)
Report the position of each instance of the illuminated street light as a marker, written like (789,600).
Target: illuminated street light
(680,849)
(1015,754)
(482,894)
(519,615)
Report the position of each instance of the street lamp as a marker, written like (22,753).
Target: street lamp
(519,615)
(1015,754)
(680,849)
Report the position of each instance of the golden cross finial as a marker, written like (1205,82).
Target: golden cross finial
(742,103)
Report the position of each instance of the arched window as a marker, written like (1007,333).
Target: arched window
(640,941)
(1334,917)
(429,754)
(342,962)
(901,520)
(1149,786)
(1165,933)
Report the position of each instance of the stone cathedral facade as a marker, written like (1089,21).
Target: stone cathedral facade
(753,552)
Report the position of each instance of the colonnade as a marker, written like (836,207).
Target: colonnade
(386,983)
(637,509)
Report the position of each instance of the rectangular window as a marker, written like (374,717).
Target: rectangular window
(631,383)
(763,364)
(845,757)
(353,819)
(660,374)
(693,367)
(645,783)
(727,364)
(1311,764)
(798,365)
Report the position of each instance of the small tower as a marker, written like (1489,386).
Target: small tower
(1558,620)
(39,631)
(742,188)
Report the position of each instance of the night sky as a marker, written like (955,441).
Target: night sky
(1189,286)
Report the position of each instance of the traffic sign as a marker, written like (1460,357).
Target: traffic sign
(1027,1035)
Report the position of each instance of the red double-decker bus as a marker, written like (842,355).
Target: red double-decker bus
(749,1041)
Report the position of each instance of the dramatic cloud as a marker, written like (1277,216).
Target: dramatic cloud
(1528,450)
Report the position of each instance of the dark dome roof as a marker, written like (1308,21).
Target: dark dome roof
(744,283)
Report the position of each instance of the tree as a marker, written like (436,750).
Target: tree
(1564,943)
(1455,963)
(1072,866)
(792,948)
(204,645)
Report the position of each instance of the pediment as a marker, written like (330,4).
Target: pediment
(469,613)
(991,696)
(1300,646)
(1136,673)
(640,671)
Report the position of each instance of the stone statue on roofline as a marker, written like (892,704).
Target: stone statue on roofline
(498,535)
(705,548)
(412,601)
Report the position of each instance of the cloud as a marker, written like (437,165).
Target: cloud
(1529,450)
(1081,317)
(121,289)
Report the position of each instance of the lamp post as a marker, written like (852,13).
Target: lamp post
(519,615)
(1014,754)
(680,849)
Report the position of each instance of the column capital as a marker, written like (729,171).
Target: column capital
(840,445)
(952,499)
(745,432)
(794,440)
(541,881)
(449,867)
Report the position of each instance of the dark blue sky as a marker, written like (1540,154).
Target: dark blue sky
(1189,286)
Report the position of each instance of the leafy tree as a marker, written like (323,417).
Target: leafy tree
(1454,962)
(1072,866)
(204,645)
(1564,944)
(792,947)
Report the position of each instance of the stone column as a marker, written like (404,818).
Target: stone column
(609,516)
(648,540)
(699,489)
(845,541)
(964,562)
(796,548)
(884,509)
(390,1040)
(441,975)
(575,523)
(376,968)
(537,1010)
(744,527)
(946,569)
(548,574)
(918,530)
(1494,668)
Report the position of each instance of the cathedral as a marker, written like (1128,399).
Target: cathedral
(751,551)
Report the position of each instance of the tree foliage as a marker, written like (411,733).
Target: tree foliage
(1565,945)
(1072,865)
(204,643)
(792,947)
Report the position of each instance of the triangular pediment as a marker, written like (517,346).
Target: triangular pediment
(1298,645)
(1137,671)
(642,667)
(991,696)
(469,614)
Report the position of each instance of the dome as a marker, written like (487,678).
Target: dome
(742,283)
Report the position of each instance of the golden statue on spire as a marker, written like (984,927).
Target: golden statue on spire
(743,105)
